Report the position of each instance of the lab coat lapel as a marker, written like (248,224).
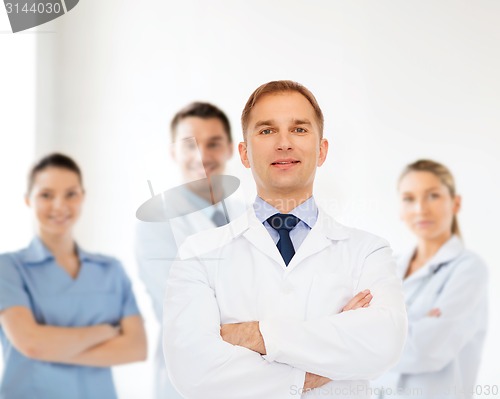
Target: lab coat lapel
(260,238)
(423,272)
(320,237)
(449,251)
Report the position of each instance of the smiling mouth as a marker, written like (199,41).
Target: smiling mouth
(424,223)
(285,162)
(59,219)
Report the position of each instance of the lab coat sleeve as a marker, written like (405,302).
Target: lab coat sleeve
(155,250)
(433,342)
(353,345)
(200,364)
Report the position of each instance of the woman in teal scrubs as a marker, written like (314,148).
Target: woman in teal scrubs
(66,315)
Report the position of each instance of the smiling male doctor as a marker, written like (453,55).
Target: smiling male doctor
(256,309)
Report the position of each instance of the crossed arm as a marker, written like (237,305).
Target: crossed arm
(459,314)
(248,335)
(204,361)
(100,345)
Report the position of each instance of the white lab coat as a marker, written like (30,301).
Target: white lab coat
(235,274)
(442,354)
(157,246)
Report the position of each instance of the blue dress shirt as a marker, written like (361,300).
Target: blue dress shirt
(101,293)
(307,212)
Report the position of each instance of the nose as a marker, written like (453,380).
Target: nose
(59,203)
(207,159)
(283,142)
(421,205)
(205,153)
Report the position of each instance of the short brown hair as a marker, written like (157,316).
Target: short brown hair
(54,160)
(281,86)
(200,110)
(442,173)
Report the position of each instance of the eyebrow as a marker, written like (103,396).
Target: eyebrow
(301,122)
(427,190)
(217,138)
(51,189)
(271,122)
(192,138)
(268,122)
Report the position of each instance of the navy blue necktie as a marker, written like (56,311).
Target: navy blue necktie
(283,224)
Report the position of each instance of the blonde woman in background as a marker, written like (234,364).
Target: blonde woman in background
(445,290)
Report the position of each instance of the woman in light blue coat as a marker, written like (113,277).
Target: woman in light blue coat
(446,293)
(66,315)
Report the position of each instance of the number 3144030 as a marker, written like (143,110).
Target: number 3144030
(40,8)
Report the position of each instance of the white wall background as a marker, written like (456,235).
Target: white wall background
(17,133)
(396,81)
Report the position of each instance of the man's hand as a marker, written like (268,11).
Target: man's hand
(361,300)
(314,381)
(245,334)
(248,335)
(436,312)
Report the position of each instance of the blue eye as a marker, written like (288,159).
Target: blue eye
(300,130)
(266,131)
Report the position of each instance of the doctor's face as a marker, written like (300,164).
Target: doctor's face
(56,199)
(427,207)
(283,146)
(201,147)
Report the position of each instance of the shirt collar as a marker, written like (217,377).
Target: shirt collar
(448,251)
(199,203)
(37,253)
(307,212)
(249,223)
(90,257)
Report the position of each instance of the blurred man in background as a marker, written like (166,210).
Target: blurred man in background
(202,145)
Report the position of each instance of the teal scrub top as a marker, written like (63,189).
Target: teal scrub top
(101,293)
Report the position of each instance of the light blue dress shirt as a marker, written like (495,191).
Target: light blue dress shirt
(101,293)
(307,212)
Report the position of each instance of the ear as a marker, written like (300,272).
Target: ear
(323,151)
(27,200)
(242,148)
(457,204)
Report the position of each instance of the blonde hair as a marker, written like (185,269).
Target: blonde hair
(442,173)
